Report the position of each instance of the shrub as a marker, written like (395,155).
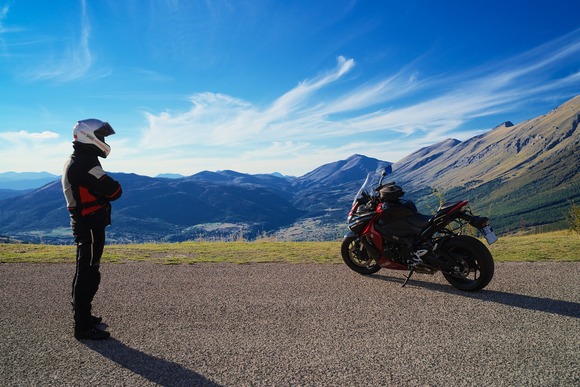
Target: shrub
(573,218)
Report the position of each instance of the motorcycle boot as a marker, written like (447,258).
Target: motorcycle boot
(91,333)
(95,320)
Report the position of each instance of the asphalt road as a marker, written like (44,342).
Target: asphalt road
(285,324)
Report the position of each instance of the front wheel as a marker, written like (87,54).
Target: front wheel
(472,261)
(356,257)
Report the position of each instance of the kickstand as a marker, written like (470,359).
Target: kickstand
(408,276)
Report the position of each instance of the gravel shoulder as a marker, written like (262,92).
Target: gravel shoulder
(292,324)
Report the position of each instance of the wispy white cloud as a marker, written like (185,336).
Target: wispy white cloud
(292,158)
(24,135)
(76,61)
(3,29)
(332,115)
(152,75)
(217,119)
(26,151)
(4,14)
(302,116)
(4,11)
(298,96)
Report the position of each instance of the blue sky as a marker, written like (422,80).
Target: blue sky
(264,86)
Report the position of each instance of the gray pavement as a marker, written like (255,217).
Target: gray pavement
(289,325)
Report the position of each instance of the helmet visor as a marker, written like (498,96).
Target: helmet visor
(104,131)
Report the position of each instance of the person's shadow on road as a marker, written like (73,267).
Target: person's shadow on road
(154,369)
(541,304)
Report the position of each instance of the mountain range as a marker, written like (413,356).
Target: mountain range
(521,176)
(527,173)
(14,184)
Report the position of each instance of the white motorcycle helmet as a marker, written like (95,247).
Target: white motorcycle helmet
(92,132)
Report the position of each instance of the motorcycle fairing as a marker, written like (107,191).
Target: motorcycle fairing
(358,222)
(376,237)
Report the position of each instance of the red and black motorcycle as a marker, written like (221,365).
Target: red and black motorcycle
(388,232)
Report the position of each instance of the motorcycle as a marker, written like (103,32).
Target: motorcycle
(388,232)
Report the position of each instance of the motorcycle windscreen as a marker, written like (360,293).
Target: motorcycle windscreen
(364,189)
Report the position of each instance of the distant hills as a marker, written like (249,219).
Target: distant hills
(14,183)
(17,183)
(521,176)
(25,180)
(206,205)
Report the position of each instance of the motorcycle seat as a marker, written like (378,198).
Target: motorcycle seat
(419,220)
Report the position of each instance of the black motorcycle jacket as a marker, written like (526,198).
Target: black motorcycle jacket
(87,188)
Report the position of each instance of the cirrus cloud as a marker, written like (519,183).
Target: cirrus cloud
(304,115)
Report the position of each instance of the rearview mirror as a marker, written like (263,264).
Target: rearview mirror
(388,170)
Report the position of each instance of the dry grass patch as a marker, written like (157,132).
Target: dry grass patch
(554,246)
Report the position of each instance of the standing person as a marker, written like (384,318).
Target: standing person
(88,191)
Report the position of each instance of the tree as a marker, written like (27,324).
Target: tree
(573,218)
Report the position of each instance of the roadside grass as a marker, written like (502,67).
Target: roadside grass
(558,246)
(183,253)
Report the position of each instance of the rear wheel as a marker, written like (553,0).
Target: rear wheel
(473,263)
(356,257)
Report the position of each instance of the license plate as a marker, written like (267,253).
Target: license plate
(489,235)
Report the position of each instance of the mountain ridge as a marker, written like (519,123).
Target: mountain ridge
(16,181)
(505,149)
(522,175)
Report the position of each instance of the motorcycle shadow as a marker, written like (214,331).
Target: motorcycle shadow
(540,304)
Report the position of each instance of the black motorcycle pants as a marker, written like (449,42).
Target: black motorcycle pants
(90,241)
